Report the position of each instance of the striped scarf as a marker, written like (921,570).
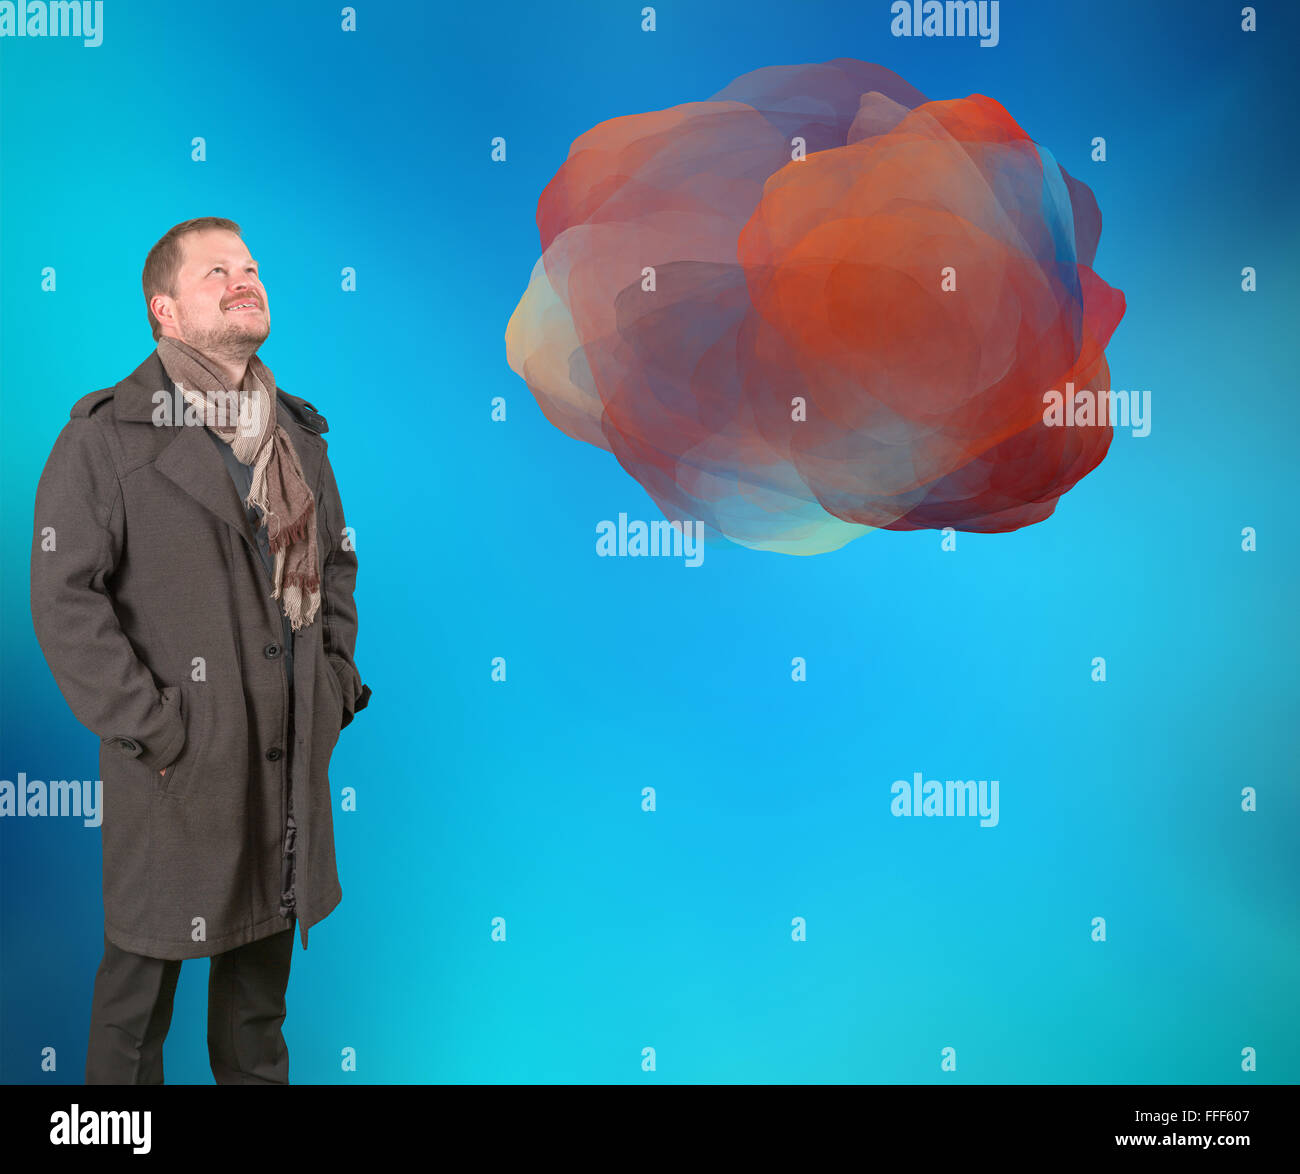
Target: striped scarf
(246,421)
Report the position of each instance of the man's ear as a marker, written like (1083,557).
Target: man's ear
(164,309)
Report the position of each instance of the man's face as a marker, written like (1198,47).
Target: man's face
(220,305)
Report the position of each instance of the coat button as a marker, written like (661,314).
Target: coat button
(271,651)
(129,746)
(274,753)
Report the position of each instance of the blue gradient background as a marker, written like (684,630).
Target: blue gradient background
(476,540)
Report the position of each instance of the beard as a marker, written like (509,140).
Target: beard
(232,338)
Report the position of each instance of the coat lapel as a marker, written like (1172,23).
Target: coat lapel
(192,462)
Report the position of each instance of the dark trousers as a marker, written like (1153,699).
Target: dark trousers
(132,1009)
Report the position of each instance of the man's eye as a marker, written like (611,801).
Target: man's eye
(216,268)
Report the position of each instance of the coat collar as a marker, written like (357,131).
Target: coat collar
(133,398)
(190,459)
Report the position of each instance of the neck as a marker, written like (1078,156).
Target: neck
(232,371)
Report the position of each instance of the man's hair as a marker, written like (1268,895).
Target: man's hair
(163,265)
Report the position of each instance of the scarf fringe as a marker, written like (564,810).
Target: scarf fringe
(286,534)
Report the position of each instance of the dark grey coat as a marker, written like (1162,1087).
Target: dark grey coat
(155,613)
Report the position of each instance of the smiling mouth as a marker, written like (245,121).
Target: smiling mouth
(243,306)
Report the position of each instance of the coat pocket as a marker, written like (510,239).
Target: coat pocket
(175,783)
(337,686)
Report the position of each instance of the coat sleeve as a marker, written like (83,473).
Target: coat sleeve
(338,607)
(76,545)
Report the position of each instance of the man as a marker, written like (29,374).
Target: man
(192,589)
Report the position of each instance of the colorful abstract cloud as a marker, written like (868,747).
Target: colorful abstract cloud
(795,374)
